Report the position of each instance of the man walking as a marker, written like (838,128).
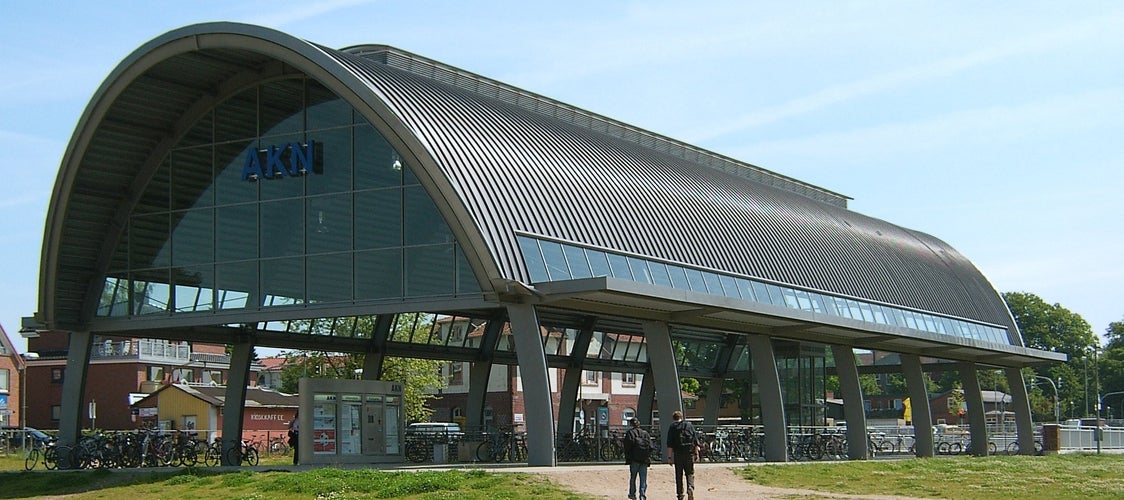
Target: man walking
(682,452)
(638,454)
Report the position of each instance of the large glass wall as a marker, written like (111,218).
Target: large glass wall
(282,195)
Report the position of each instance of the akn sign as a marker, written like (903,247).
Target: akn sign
(293,159)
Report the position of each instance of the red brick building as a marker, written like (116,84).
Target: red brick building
(121,372)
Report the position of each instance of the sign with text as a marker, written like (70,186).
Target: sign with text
(290,160)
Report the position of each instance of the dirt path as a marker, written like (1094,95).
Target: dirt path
(712,482)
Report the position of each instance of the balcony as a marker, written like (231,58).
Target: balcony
(145,350)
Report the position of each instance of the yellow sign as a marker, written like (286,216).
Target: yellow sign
(908,414)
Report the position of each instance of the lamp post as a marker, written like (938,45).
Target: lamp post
(1098,432)
(1057,409)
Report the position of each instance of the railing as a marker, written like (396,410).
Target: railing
(143,349)
(1082,439)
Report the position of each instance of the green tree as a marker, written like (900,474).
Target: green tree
(1055,328)
(1112,367)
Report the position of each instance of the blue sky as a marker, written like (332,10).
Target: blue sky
(995,126)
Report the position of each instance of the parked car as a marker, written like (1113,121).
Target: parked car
(436,431)
(14,436)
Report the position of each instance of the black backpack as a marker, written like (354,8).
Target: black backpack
(687,436)
(641,445)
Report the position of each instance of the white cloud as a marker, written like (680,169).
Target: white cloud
(995,125)
(1053,40)
(293,13)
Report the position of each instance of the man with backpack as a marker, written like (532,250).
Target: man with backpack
(638,454)
(682,452)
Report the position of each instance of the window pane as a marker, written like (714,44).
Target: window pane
(678,277)
(619,265)
(230,158)
(696,280)
(193,288)
(283,278)
(424,223)
(659,273)
(236,118)
(325,109)
(236,283)
(532,257)
(193,241)
(575,258)
(332,163)
(280,185)
(378,274)
(802,300)
(148,237)
(639,269)
(329,223)
(282,228)
(191,178)
(599,263)
(375,160)
(776,295)
(329,278)
(281,107)
(730,287)
(429,271)
(378,219)
(761,293)
(713,283)
(237,226)
(556,266)
(745,288)
(466,279)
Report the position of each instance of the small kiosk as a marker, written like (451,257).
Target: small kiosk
(350,421)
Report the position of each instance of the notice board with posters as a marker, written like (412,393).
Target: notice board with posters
(334,413)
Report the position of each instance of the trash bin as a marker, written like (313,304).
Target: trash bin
(440,450)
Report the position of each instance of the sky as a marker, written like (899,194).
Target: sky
(994,126)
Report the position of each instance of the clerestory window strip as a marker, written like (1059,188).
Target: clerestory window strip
(554,261)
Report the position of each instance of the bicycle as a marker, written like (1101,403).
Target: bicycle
(243,452)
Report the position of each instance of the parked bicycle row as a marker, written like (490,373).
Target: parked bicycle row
(101,450)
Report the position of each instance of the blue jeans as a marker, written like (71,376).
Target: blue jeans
(637,469)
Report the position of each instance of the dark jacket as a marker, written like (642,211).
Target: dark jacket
(674,441)
(634,453)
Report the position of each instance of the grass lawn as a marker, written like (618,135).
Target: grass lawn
(1086,477)
(1005,477)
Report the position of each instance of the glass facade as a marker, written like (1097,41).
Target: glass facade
(553,261)
(282,196)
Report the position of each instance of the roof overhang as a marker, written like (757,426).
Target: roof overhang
(612,296)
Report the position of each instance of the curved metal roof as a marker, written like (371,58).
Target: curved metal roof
(499,162)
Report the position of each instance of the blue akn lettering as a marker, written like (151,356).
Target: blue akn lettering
(293,159)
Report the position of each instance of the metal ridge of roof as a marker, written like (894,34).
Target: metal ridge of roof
(482,85)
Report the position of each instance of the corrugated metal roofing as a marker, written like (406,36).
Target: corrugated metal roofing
(502,161)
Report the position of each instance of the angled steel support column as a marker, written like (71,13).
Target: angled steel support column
(536,384)
(74,388)
(1020,404)
(647,397)
(977,421)
(567,397)
(665,373)
(772,403)
(480,373)
(241,356)
(718,382)
(919,405)
(376,354)
(854,412)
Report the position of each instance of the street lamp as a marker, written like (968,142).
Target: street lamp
(1057,409)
